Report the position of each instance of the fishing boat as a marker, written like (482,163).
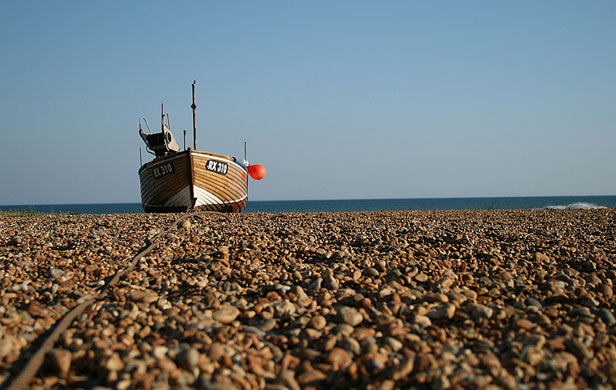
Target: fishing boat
(180,180)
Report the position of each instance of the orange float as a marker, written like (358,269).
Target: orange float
(256,171)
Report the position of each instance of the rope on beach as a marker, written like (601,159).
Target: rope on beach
(23,379)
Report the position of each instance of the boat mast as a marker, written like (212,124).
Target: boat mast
(162,118)
(194,108)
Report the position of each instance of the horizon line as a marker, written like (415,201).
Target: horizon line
(330,199)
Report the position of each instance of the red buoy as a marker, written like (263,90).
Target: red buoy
(256,171)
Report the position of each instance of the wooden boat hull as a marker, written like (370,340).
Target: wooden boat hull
(193,180)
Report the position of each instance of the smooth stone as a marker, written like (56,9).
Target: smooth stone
(315,285)
(318,322)
(371,272)
(160,352)
(268,325)
(188,359)
(576,347)
(300,293)
(351,345)
(607,316)
(6,346)
(530,301)
(217,351)
(255,330)
(422,321)
(283,308)
(605,290)
(349,316)
(143,296)
(369,345)
(312,333)
(60,360)
(282,289)
(339,358)
(114,363)
(166,364)
(489,359)
(375,364)
(311,376)
(441,312)
(481,311)
(287,379)
(580,312)
(226,314)
(445,283)
(523,323)
(330,283)
(534,357)
(309,354)
(393,343)
(421,277)
(404,369)
(55,273)
(344,330)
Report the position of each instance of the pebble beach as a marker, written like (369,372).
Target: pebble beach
(482,299)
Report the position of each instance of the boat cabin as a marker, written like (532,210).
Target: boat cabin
(160,144)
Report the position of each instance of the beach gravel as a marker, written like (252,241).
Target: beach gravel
(498,299)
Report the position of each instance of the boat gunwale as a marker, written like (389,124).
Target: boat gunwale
(190,153)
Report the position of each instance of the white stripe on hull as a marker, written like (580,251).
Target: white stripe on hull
(204,197)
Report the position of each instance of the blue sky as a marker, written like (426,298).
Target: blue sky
(337,99)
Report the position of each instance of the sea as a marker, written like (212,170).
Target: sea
(337,205)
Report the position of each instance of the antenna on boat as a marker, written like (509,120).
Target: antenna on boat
(244,150)
(184,139)
(162,117)
(194,108)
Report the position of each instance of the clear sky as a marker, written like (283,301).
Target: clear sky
(337,99)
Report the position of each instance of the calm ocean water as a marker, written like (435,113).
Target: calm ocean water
(282,206)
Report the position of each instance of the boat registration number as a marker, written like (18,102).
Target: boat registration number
(217,166)
(163,170)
